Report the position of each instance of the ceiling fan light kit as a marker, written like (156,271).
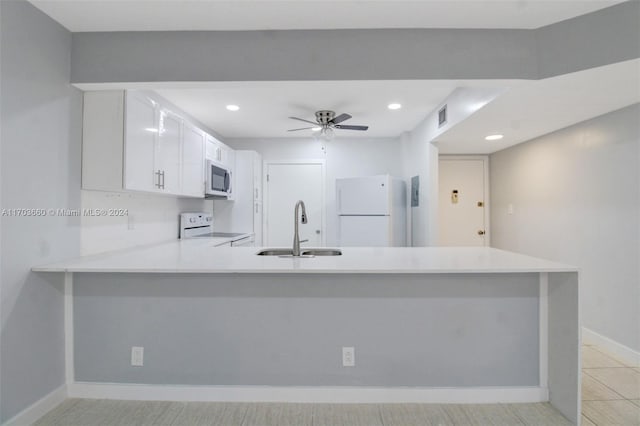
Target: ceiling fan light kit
(326,122)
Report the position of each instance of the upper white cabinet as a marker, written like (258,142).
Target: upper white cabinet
(219,152)
(214,149)
(141,173)
(192,161)
(132,142)
(168,152)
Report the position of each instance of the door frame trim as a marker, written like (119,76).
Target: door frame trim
(323,191)
(487,194)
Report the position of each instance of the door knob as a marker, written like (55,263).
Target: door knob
(481,232)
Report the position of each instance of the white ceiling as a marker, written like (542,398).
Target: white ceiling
(266,106)
(539,107)
(167,15)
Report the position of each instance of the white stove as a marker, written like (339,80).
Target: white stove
(200,225)
(195,225)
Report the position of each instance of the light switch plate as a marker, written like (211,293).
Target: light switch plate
(137,356)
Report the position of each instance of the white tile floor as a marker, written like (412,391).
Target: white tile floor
(610,390)
(86,412)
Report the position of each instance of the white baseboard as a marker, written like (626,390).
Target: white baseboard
(335,394)
(39,408)
(625,354)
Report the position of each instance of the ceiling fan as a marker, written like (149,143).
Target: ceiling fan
(326,122)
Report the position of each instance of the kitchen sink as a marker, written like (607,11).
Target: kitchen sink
(275,252)
(321,252)
(310,252)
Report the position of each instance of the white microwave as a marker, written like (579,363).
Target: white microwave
(218,180)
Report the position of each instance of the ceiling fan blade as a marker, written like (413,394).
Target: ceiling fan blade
(340,118)
(302,119)
(303,128)
(347,127)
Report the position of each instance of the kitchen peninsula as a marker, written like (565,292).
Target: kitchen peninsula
(459,325)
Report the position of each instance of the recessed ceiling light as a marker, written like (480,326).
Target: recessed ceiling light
(316,129)
(394,106)
(233,107)
(494,137)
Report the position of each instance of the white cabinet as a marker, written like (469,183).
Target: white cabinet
(140,135)
(214,149)
(168,151)
(257,222)
(245,213)
(257,197)
(219,152)
(257,177)
(132,142)
(192,161)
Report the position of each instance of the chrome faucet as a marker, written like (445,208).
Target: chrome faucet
(296,236)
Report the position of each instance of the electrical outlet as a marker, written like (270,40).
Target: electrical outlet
(348,356)
(137,356)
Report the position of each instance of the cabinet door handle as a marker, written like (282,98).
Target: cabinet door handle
(162,176)
(157,179)
(256,193)
(256,207)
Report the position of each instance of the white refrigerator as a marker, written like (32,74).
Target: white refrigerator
(372,211)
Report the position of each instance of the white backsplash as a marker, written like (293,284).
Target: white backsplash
(150,219)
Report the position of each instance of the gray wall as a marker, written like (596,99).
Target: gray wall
(600,38)
(603,37)
(375,54)
(408,330)
(576,198)
(40,165)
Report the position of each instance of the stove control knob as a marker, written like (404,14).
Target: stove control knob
(192,220)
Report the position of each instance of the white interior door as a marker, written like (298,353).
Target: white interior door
(285,184)
(462,202)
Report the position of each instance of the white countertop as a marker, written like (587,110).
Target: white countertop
(201,256)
